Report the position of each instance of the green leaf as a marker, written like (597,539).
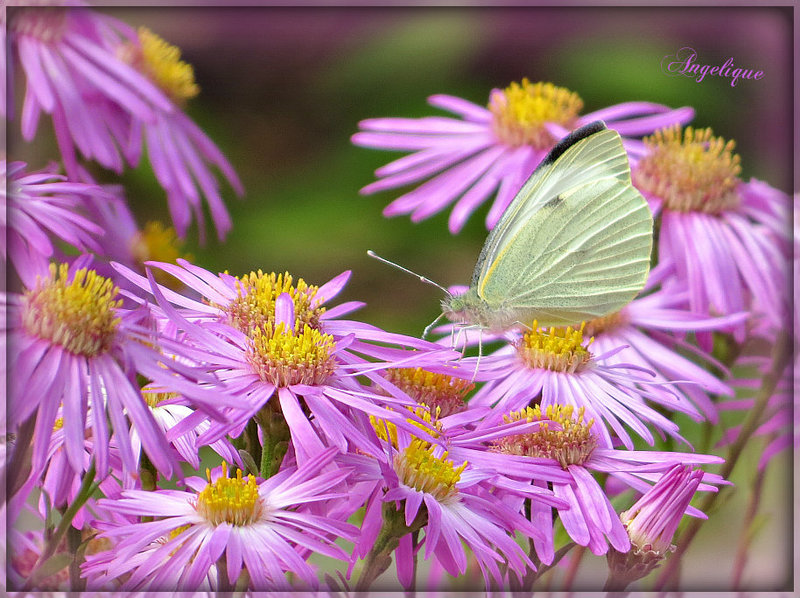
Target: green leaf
(248,462)
(56,563)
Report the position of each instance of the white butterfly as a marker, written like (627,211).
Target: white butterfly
(574,244)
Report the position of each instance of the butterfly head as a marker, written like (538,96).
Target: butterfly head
(470,309)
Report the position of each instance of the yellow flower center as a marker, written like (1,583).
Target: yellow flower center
(690,172)
(230,500)
(386,430)
(418,468)
(154,398)
(254,304)
(284,358)
(179,530)
(440,391)
(605,324)
(162,63)
(571,443)
(79,315)
(156,242)
(521,110)
(556,349)
(58,424)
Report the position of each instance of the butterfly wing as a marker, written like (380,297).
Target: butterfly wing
(575,242)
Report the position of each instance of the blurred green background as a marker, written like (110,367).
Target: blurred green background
(284,88)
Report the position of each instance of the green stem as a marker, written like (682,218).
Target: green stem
(747,528)
(541,569)
(615,583)
(780,359)
(74,541)
(148,474)
(87,488)
(275,439)
(394,528)
(20,463)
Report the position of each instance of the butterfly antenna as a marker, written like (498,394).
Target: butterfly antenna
(371,253)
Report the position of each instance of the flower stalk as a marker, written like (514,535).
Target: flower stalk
(379,558)
(88,486)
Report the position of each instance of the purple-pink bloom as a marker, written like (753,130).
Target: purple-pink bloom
(651,328)
(566,443)
(464,161)
(40,206)
(451,503)
(555,367)
(652,522)
(74,348)
(723,239)
(68,56)
(263,528)
(110,91)
(272,343)
(653,519)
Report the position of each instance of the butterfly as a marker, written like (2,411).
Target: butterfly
(574,244)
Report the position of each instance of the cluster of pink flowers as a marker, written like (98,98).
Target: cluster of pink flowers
(324,435)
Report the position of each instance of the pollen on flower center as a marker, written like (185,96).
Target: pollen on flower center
(158,243)
(418,468)
(521,110)
(604,324)
(230,500)
(284,358)
(387,431)
(569,442)
(691,172)
(154,398)
(162,63)
(556,349)
(78,314)
(254,304)
(438,391)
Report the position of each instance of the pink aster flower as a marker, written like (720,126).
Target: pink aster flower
(567,443)
(651,328)
(169,410)
(274,345)
(67,53)
(463,161)
(261,529)
(724,239)
(452,504)
(40,206)
(652,522)
(552,367)
(180,153)
(110,91)
(76,349)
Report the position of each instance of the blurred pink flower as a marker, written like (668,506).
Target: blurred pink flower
(723,239)
(463,161)
(111,91)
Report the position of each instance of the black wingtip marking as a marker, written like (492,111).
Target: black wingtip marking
(552,203)
(573,138)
